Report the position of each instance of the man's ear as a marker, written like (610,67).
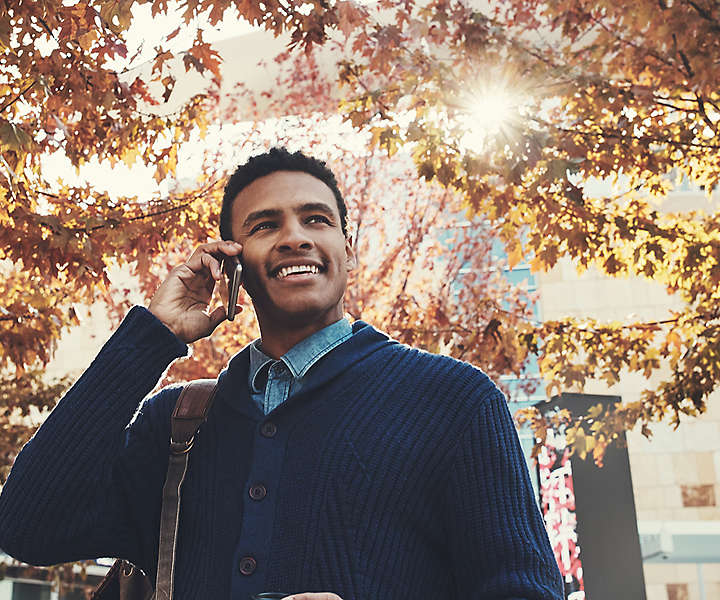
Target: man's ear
(350,260)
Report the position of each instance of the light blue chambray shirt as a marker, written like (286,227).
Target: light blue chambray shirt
(286,374)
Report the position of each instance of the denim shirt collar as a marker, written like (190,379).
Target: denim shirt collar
(302,355)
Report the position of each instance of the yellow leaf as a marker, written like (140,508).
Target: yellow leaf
(514,254)
(130,157)
(589,443)
(14,137)
(580,442)
(595,411)
(86,41)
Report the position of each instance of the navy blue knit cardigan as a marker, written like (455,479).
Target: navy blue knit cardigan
(394,474)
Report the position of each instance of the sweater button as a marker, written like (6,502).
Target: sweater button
(247,565)
(268,429)
(258,491)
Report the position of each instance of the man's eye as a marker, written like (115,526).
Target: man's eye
(318,219)
(263,225)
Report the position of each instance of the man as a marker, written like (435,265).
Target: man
(334,460)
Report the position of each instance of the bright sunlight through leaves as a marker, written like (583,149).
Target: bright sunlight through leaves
(490,114)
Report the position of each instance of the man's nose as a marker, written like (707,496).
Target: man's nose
(293,237)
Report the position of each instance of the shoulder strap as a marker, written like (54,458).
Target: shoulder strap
(191,410)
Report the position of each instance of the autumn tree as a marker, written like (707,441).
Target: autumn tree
(599,90)
(427,274)
(603,91)
(64,92)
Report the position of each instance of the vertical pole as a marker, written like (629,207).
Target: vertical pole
(701,583)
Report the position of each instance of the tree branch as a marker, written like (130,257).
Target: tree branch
(16,98)
(647,325)
(673,106)
(684,58)
(152,214)
(139,217)
(619,38)
(714,26)
(703,112)
(47,28)
(642,138)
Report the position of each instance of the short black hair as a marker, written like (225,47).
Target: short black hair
(276,159)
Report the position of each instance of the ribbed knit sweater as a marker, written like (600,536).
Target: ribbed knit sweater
(394,474)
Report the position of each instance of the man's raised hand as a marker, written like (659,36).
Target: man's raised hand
(182,301)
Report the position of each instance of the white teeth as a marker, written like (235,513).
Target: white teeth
(285,271)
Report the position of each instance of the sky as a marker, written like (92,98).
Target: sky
(145,34)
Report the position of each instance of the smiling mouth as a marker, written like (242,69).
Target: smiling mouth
(297,270)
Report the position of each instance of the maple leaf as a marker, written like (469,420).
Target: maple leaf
(350,17)
(14,137)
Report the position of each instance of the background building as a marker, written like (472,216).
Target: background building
(676,474)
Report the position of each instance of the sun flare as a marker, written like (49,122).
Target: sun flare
(489,114)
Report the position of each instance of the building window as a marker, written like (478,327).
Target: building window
(677,591)
(72,593)
(698,495)
(30,591)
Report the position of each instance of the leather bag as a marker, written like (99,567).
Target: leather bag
(125,581)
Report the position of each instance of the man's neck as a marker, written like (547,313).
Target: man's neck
(276,341)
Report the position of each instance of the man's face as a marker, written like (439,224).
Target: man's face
(295,255)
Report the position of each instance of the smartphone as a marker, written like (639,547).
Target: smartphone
(233,269)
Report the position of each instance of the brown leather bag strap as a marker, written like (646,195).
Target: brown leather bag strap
(191,410)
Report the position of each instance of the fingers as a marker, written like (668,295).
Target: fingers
(218,315)
(208,257)
(182,300)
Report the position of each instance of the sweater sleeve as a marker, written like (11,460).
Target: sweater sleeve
(498,543)
(77,487)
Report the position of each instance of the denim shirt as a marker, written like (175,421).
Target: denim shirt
(286,375)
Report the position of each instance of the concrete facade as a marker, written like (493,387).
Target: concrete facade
(676,474)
